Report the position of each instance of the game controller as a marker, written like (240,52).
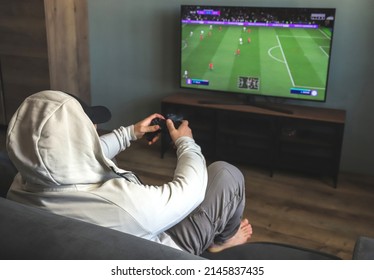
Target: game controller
(177,120)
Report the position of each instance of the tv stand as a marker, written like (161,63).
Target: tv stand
(263,105)
(309,140)
(219,102)
(271,107)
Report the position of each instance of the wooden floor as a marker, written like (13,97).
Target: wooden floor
(287,208)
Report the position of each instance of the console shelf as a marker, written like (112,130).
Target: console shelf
(308,140)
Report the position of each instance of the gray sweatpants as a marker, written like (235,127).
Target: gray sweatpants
(218,217)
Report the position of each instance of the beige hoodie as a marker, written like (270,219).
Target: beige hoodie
(62,169)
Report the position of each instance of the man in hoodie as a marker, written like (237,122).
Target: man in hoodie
(65,167)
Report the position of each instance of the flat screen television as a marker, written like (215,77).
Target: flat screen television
(257,51)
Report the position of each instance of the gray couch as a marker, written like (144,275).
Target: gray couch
(31,233)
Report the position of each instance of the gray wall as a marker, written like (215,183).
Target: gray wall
(134,63)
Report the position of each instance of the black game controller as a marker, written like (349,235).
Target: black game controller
(177,120)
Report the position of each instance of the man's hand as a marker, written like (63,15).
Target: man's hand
(144,126)
(183,130)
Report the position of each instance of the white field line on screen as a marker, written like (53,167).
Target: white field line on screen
(305,37)
(285,62)
(184,44)
(323,50)
(298,86)
(308,37)
(272,56)
(324,34)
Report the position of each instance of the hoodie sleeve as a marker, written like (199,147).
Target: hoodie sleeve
(158,208)
(116,141)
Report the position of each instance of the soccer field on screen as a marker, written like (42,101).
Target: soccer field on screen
(279,58)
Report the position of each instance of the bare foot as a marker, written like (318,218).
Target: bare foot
(241,236)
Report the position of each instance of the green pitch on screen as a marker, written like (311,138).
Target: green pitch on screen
(279,58)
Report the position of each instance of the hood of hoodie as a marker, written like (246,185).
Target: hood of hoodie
(52,142)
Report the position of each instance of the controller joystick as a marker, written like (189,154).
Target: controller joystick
(177,120)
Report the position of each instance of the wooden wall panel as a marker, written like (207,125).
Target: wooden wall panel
(67,35)
(2,106)
(23,52)
(44,45)
(22,76)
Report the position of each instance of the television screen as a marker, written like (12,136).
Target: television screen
(275,52)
